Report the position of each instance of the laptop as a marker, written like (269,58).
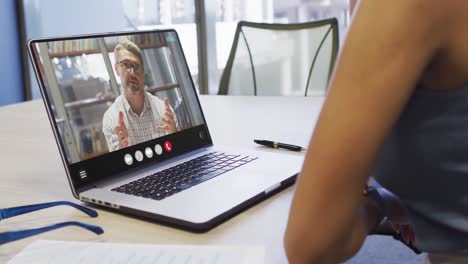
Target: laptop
(133,137)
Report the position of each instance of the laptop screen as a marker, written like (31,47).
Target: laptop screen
(118,101)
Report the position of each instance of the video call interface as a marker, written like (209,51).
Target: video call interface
(113,92)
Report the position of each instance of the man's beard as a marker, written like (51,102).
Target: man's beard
(134,88)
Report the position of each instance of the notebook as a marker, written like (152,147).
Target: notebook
(133,137)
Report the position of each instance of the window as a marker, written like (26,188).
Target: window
(46,18)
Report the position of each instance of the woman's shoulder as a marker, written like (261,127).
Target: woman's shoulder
(434,23)
(432,13)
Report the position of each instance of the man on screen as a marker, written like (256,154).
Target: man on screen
(135,116)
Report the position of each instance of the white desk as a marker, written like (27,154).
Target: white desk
(32,172)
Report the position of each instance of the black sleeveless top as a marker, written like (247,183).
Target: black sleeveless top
(425,162)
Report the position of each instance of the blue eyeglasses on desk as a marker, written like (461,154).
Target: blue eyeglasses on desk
(7,237)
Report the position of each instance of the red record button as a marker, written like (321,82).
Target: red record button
(168,146)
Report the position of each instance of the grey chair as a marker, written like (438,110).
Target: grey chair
(281,59)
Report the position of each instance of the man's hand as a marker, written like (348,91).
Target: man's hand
(169,124)
(121,132)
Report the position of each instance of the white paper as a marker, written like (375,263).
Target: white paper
(50,252)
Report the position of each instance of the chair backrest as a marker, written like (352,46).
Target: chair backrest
(281,59)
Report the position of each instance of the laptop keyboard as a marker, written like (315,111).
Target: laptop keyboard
(183,176)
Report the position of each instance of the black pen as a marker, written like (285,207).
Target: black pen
(278,145)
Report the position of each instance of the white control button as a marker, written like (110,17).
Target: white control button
(128,159)
(83,174)
(158,149)
(138,155)
(149,153)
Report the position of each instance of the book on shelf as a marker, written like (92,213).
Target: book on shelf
(72,46)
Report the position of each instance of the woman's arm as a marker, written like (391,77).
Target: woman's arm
(388,47)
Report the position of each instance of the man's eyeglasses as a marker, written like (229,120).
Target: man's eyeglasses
(129,66)
(7,237)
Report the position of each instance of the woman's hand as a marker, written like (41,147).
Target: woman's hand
(397,215)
